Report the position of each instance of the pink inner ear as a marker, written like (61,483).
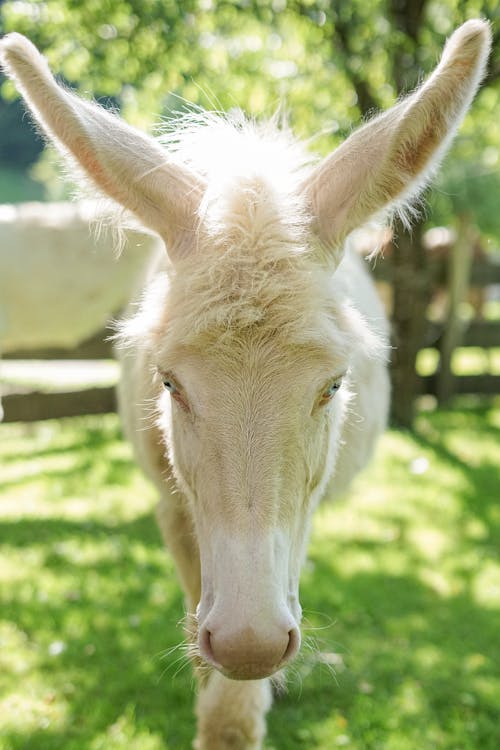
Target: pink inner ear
(85,155)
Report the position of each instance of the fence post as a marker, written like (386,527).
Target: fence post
(458,272)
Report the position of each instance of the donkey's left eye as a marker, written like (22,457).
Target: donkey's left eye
(330,390)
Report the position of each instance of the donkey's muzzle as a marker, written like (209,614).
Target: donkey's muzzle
(251,652)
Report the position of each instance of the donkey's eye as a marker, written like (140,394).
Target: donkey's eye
(170,386)
(330,390)
(169,383)
(174,389)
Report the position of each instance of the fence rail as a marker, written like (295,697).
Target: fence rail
(97,347)
(27,406)
(34,406)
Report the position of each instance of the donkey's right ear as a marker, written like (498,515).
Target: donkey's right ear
(125,164)
(389,159)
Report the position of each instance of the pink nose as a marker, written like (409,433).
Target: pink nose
(251,652)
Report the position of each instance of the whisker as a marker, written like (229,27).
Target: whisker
(181,660)
(169,651)
(306,625)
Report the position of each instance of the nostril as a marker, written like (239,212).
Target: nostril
(205,645)
(293,645)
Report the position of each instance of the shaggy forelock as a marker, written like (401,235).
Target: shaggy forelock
(254,260)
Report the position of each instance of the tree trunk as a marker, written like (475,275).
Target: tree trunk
(458,278)
(411,272)
(412,291)
(411,277)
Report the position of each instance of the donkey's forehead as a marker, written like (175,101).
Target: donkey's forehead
(322,347)
(244,286)
(252,304)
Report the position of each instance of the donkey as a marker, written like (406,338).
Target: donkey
(260,340)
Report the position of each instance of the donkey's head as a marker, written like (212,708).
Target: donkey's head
(251,339)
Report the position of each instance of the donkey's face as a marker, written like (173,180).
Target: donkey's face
(252,425)
(252,422)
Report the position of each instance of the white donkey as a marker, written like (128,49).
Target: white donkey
(260,342)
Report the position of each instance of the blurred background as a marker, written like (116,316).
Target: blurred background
(407,572)
(329,65)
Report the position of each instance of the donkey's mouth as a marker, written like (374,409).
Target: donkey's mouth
(249,671)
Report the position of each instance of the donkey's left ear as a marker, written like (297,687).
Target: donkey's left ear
(123,163)
(389,159)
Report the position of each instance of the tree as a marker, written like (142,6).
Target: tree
(332,61)
(403,56)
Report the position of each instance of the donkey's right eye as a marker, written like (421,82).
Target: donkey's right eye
(169,382)
(174,389)
(170,385)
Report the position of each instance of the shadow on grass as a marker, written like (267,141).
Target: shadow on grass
(110,624)
(414,668)
(86,438)
(483,478)
(116,472)
(95,614)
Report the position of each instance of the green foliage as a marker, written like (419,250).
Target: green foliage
(21,149)
(330,62)
(470,180)
(16,186)
(401,599)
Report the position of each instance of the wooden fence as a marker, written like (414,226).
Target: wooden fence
(456,275)
(27,405)
(21,404)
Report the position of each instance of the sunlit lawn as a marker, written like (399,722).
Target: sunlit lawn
(401,594)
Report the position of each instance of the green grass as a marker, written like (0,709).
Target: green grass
(401,594)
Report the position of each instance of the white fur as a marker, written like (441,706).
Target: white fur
(251,316)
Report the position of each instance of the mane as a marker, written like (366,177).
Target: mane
(252,170)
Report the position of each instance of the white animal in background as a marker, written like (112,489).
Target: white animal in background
(59,279)
(260,342)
